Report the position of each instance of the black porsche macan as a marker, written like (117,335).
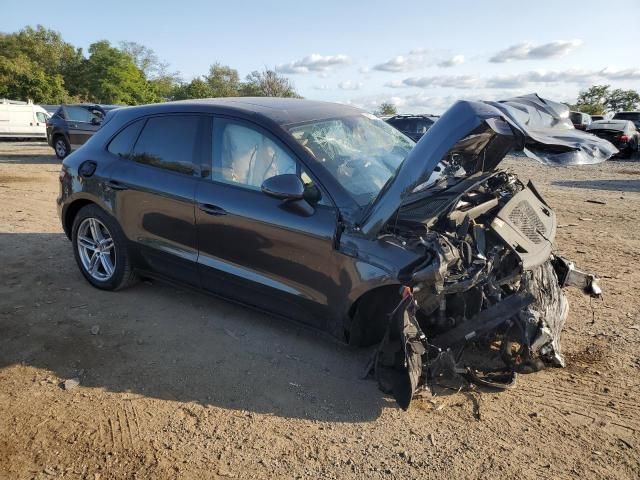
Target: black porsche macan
(325,214)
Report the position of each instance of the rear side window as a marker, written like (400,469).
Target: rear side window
(81,114)
(122,143)
(627,116)
(168,142)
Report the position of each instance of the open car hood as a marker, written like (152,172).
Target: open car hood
(476,136)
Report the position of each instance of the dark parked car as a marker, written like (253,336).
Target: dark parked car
(324,213)
(580,120)
(632,116)
(72,125)
(622,133)
(413,126)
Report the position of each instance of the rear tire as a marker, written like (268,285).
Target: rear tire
(61,146)
(100,249)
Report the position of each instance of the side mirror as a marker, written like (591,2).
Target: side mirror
(95,121)
(285,187)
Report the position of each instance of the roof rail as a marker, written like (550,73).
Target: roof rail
(15,102)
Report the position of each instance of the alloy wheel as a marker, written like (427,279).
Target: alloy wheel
(61,148)
(96,249)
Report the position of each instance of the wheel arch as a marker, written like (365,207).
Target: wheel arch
(368,314)
(70,211)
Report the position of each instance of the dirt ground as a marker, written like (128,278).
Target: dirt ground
(177,384)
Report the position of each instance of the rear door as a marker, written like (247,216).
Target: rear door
(82,122)
(253,247)
(153,187)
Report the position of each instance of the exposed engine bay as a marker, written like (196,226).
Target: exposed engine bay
(485,301)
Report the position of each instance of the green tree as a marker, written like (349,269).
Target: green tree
(387,108)
(223,80)
(21,79)
(45,48)
(590,108)
(196,88)
(619,100)
(267,83)
(111,76)
(35,63)
(161,80)
(597,94)
(599,99)
(593,100)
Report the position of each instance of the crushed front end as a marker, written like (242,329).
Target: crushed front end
(485,300)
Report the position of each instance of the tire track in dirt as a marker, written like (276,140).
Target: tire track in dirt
(586,404)
(120,428)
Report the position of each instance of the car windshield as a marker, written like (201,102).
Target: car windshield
(621,125)
(361,151)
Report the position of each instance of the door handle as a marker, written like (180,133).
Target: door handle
(211,209)
(113,185)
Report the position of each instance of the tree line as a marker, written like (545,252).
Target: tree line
(37,64)
(600,99)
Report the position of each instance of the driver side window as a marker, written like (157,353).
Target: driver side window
(246,157)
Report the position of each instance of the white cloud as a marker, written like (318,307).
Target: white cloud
(403,63)
(314,63)
(417,59)
(415,103)
(452,81)
(528,51)
(321,87)
(395,84)
(520,80)
(565,76)
(451,62)
(628,74)
(349,85)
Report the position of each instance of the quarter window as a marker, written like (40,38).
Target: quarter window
(122,143)
(168,142)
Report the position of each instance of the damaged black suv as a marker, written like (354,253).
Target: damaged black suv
(324,213)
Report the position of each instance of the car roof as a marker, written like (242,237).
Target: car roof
(618,124)
(283,111)
(414,115)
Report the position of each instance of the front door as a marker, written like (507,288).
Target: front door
(254,247)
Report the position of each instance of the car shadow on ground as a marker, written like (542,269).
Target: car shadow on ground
(14,154)
(30,159)
(612,185)
(167,343)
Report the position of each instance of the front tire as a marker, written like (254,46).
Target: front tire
(61,147)
(100,249)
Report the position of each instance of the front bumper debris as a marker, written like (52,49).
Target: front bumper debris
(571,276)
(523,328)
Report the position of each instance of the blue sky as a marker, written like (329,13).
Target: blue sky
(421,56)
